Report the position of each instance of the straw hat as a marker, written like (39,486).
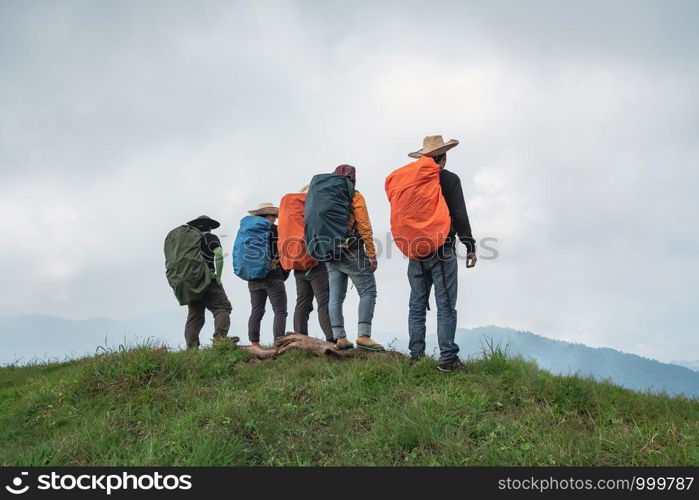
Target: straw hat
(434,145)
(265,209)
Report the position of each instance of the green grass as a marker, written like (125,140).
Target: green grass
(150,406)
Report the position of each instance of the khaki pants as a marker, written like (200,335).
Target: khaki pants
(216,301)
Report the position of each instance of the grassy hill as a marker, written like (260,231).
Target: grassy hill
(149,406)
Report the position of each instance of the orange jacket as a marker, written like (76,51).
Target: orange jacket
(359,221)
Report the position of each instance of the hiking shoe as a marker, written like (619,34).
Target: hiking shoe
(332,341)
(414,358)
(369,345)
(342,344)
(255,344)
(232,340)
(452,366)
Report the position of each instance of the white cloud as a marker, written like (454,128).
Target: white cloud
(577,130)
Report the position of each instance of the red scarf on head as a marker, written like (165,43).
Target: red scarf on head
(347,171)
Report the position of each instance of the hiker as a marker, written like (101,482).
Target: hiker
(310,276)
(338,232)
(428,238)
(194,262)
(256,260)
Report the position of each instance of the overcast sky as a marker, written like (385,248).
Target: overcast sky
(578,125)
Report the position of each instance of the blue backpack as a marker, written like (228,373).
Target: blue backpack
(251,251)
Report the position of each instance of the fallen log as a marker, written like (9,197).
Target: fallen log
(293,340)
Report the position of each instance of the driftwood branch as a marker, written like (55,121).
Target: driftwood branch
(297,341)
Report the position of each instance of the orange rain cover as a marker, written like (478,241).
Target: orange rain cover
(420,219)
(291,246)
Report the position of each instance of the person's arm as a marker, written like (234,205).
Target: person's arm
(214,245)
(363,224)
(454,196)
(218,262)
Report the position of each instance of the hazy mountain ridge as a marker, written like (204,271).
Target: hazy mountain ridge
(57,339)
(692,365)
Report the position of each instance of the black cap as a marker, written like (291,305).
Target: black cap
(204,222)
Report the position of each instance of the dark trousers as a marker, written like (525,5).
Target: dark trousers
(216,301)
(309,284)
(260,290)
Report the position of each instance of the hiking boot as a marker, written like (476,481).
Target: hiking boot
(414,358)
(369,345)
(452,366)
(332,341)
(219,338)
(342,344)
(255,344)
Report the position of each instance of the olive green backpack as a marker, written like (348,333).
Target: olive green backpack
(187,272)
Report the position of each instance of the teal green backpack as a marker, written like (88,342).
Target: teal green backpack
(185,267)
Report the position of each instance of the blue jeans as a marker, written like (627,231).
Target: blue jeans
(355,266)
(440,270)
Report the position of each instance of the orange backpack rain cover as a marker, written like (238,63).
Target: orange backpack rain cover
(292,249)
(420,219)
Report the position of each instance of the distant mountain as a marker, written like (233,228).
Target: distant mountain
(561,358)
(49,338)
(692,365)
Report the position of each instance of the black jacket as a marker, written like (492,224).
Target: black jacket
(454,196)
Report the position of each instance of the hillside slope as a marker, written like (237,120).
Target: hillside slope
(149,406)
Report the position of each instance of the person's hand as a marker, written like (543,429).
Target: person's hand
(471,259)
(373,264)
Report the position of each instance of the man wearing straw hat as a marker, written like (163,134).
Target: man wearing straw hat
(441,268)
(272,286)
